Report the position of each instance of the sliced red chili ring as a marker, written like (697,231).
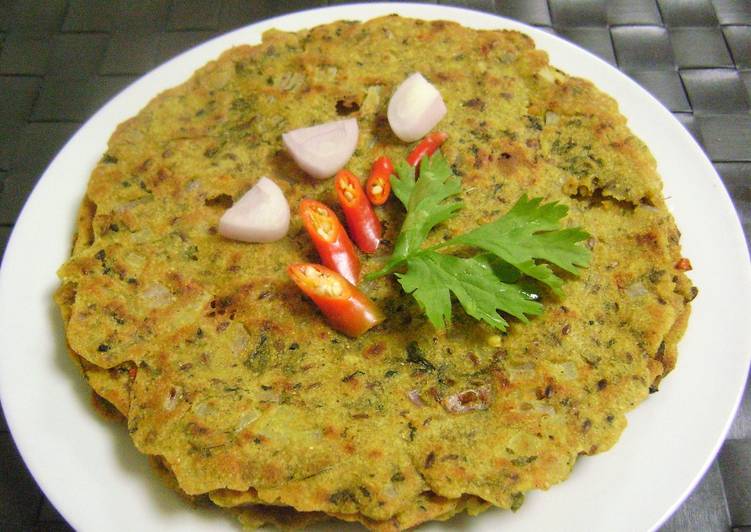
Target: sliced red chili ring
(330,239)
(362,222)
(346,308)
(427,146)
(378,186)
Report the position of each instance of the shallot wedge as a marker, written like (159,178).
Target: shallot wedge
(261,215)
(322,150)
(415,108)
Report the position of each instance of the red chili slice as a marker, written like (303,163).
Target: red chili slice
(346,308)
(378,186)
(362,222)
(331,240)
(427,146)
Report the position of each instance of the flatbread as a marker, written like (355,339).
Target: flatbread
(233,378)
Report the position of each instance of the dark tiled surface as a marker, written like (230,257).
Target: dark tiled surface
(715,90)
(236,13)
(529,11)
(726,137)
(746,77)
(18,93)
(596,40)
(478,5)
(578,12)
(37,144)
(643,47)
(665,85)
(24,54)
(4,235)
(76,55)
(193,15)
(735,176)
(8,142)
(733,11)
(141,14)
(54,526)
(33,16)
(129,52)
(633,12)
(20,497)
(739,40)
(75,100)
(705,509)
(48,513)
(171,44)
(735,464)
(687,12)
(89,15)
(60,60)
(700,47)
(689,122)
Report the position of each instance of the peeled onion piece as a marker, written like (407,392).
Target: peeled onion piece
(261,215)
(415,108)
(323,150)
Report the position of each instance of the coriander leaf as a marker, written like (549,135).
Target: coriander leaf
(502,269)
(429,289)
(491,281)
(528,232)
(425,199)
(563,249)
(432,277)
(508,274)
(403,182)
(542,273)
(426,207)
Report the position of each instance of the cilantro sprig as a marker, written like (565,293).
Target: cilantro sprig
(523,242)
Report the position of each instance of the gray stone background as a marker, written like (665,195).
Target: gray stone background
(60,60)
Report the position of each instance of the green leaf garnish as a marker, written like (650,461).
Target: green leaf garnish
(523,242)
(530,232)
(425,200)
(431,277)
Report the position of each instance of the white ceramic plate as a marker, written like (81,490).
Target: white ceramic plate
(92,474)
